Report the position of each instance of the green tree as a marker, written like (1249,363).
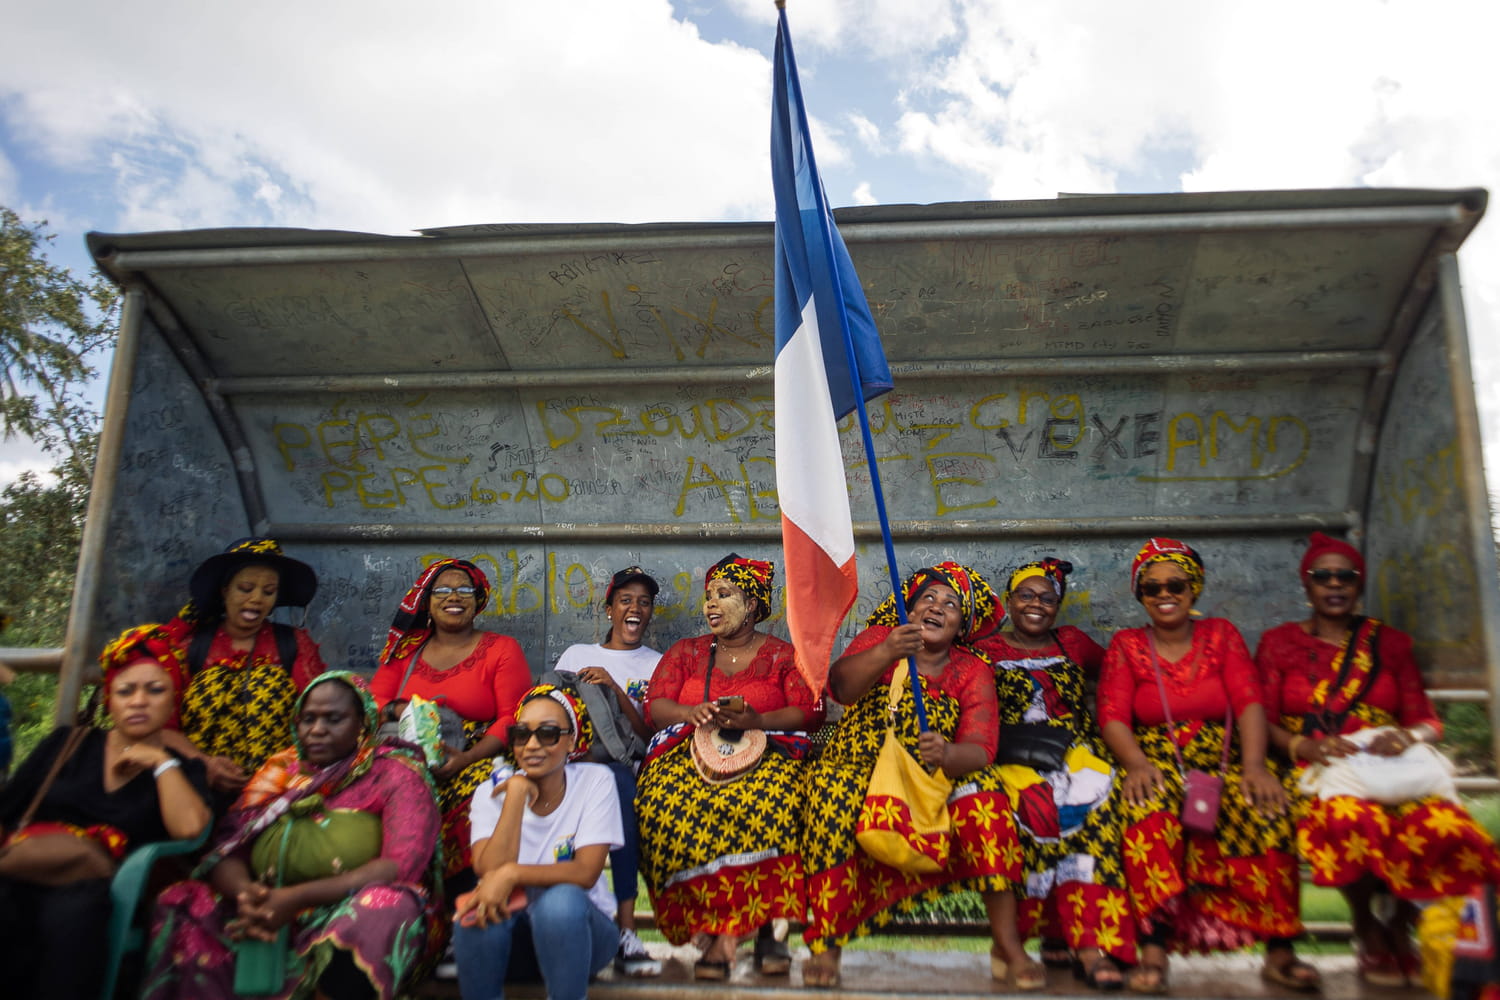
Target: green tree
(52,327)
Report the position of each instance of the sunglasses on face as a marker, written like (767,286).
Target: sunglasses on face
(450,591)
(547,734)
(1173,587)
(1341,575)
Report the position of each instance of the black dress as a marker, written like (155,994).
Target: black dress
(52,939)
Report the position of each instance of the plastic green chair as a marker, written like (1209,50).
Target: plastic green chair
(125,895)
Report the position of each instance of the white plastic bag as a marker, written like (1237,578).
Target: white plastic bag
(1417,772)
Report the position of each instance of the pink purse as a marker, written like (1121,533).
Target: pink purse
(1201,791)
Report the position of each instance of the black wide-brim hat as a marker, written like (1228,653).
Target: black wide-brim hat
(298,581)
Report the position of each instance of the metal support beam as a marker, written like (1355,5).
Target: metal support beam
(916,371)
(759,235)
(76,659)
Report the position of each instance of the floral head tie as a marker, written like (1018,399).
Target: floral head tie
(1054,571)
(578,715)
(976,601)
(1319,544)
(750,575)
(412,618)
(1169,550)
(145,642)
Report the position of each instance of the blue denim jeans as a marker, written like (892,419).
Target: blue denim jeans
(550,938)
(625,862)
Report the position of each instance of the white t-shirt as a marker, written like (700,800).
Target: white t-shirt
(589,813)
(630,668)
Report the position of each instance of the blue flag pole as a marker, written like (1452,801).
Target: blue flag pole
(784,42)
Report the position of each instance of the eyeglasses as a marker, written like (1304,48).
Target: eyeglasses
(1041,597)
(1173,587)
(547,734)
(1341,575)
(450,591)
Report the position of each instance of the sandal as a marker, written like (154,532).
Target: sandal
(999,968)
(1056,954)
(1090,976)
(1380,968)
(822,971)
(1157,988)
(1293,975)
(772,957)
(706,968)
(1028,978)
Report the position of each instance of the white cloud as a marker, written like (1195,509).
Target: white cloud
(866,131)
(863,195)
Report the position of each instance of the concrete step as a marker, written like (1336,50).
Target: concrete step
(952,975)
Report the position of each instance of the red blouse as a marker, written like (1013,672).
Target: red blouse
(1216,673)
(966,679)
(485,686)
(771,681)
(1291,664)
(1076,644)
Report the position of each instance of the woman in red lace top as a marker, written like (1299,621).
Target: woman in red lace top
(722,859)
(849,894)
(1327,678)
(434,651)
(1196,891)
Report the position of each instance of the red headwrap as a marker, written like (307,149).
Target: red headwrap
(1319,544)
(145,642)
(413,623)
(1184,556)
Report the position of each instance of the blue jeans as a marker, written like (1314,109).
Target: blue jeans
(625,862)
(549,937)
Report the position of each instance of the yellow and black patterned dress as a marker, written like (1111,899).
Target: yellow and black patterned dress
(724,858)
(239,703)
(848,893)
(1068,819)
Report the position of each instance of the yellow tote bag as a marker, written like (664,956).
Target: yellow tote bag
(904,822)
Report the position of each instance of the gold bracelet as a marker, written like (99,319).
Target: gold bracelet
(1291,747)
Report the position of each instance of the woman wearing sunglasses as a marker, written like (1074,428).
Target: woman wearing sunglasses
(477,678)
(1326,678)
(542,832)
(1181,695)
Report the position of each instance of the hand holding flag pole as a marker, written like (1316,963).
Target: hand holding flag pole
(829,361)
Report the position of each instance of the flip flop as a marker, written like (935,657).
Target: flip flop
(819,976)
(1285,976)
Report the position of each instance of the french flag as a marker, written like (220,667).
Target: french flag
(828,361)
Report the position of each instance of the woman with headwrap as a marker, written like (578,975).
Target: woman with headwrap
(1329,677)
(543,829)
(116,789)
(244,672)
(849,894)
(1183,694)
(332,840)
(433,651)
(1063,787)
(721,857)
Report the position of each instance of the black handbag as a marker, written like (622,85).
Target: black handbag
(1035,745)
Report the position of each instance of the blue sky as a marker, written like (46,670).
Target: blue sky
(391,117)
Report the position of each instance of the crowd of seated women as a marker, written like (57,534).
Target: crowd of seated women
(359,825)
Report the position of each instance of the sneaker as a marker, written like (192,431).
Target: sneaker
(447,967)
(633,960)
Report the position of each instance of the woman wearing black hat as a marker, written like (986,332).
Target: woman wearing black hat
(624,664)
(244,671)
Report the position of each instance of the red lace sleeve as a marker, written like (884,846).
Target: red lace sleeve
(1270,659)
(387,679)
(510,679)
(1241,680)
(1116,694)
(1081,649)
(309,663)
(978,705)
(1415,708)
(672,673)
(794,686)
